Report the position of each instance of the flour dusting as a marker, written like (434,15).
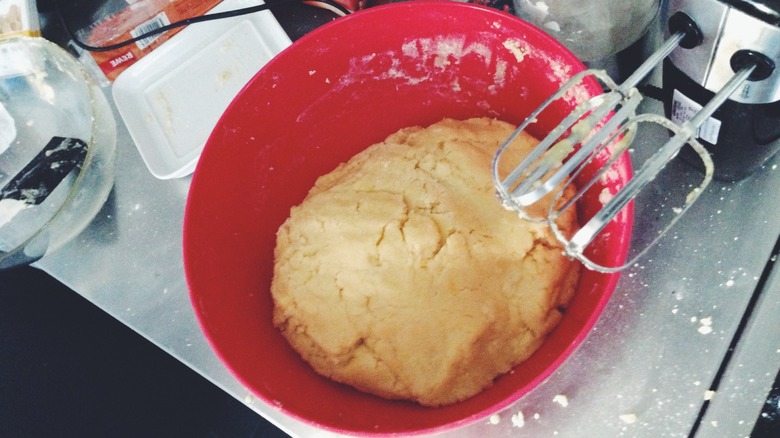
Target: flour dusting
(419,60)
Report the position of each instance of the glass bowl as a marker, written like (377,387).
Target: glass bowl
(57,149)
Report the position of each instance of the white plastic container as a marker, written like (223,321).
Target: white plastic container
(171,99)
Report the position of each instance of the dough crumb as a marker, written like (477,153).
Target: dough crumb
(706,325)
(561,400)
(518,420)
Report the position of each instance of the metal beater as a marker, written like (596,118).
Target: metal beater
(596,133)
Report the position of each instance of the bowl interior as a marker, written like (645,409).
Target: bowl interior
(341,88)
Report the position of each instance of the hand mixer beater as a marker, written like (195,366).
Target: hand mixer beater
(595,134)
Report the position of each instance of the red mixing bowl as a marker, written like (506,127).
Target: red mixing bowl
(334,92)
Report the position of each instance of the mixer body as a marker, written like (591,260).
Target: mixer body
(744,133)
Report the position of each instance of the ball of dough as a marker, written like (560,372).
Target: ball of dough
(402,275)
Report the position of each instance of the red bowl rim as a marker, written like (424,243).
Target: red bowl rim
(609,280)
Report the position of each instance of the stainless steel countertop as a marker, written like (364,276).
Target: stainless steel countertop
(645,370)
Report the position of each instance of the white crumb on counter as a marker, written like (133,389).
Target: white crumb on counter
(706,325)
(494,419)
(518,420)
(628,418)
(709,394)
(561,400)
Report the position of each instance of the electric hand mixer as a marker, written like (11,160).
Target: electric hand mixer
(601,128)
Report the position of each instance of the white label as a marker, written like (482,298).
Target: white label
(685,108)
(154,23)
(7,129)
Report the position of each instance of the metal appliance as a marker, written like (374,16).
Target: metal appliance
(744,133)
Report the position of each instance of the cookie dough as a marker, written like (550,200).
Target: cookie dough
(402,275)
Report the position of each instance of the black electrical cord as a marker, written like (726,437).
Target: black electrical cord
(187,21)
